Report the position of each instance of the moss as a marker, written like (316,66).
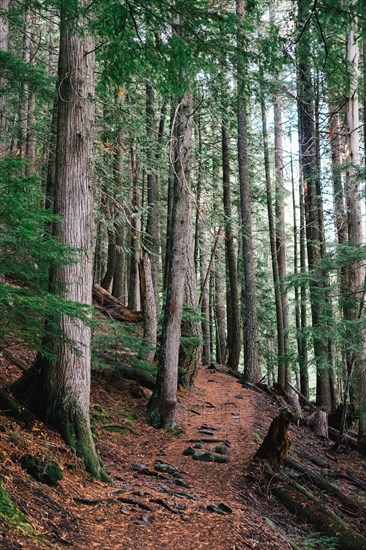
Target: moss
(116,429)
(11,516)
(46,471)
(100,415)
(126,414)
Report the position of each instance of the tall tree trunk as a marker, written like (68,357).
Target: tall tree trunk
(232,294)
(274,256)
(356,361)
(201,259)
(313,235)
(190,353)
(280,231)
(161,408)
(300,309)
(152,241)
(119,276)
(134,298)
(252,372)
(219,307)
(4,44)
(59,390)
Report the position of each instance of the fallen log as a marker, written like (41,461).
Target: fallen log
(317,460)
(322,483)
(303,503)
(144,377)
(112,307)
(350,441)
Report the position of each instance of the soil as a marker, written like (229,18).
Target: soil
(147,508)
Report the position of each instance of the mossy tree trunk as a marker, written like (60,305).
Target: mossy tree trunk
(59,390)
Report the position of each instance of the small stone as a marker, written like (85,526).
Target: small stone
(239,396)
(219,508)
(189,451)
(166,468)
(221,449)
(198,446)
(124,510)
(182,483)
(181,506)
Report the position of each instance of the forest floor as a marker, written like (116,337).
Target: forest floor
(145,507)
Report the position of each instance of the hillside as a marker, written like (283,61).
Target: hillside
(146,506)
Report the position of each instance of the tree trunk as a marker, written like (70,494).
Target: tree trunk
(149,307)
(119,276)
(306,505)
(134,298)
(219,308)
(274,256)
(252,372)
(356,271)
(161,408)
(232,293)
(60,390)
(313,235)
(152,241)
(4,42)
(300,337)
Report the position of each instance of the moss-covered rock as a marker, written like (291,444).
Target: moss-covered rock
(44,470)
(221,449)
(220,508)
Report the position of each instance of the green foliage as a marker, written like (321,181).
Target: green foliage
(15,70)
(28,252)
(11,516)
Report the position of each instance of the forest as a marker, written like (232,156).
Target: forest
(182,274)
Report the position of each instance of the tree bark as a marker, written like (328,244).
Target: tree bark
(4,44)
(161,407)
(356,361)
(149,307)
(317,282)
(252,372)
(60,390)
(232,293)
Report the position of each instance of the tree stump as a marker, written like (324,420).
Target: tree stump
(276,443)
(321,424)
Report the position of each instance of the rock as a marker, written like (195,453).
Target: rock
(239,396)
(205,431)
(209,457)
(219,508)
(198,446)
(182,483)
(189,451)
(46,470)
(167,468)
(221,449)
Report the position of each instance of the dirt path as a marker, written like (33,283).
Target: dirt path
(168,516)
